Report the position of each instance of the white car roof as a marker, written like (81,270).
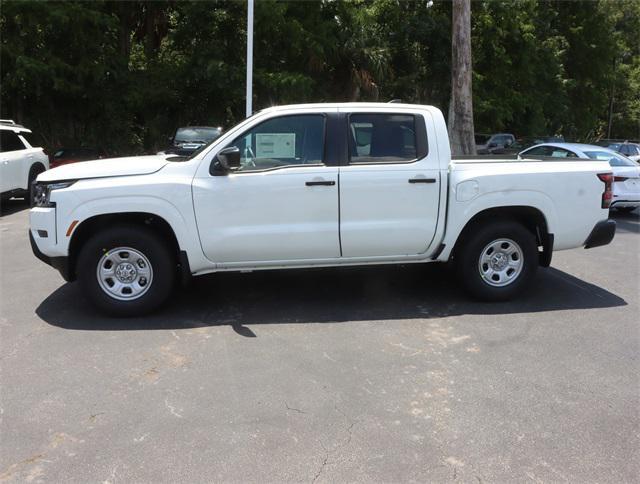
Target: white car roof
(581,148)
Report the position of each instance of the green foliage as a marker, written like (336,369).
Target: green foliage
(123,75)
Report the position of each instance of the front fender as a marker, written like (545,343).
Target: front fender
(183,225)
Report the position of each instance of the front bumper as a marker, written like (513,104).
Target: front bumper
(59,263)
(601,234)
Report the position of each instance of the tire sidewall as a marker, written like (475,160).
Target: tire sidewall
(146,242)
(472,248)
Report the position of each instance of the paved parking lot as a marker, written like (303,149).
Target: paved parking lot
(377,374)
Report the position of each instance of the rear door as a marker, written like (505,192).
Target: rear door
(12,161)
(390,187)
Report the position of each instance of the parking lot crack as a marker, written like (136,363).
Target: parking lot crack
(339,445)
(293,409)
(323,465)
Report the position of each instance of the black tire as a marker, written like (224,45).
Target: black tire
(625,209)
(475,244)
(142,240)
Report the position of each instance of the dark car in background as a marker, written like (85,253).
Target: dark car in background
(627,148)
(487,144)
(188,139)
(525,142)
(64,156)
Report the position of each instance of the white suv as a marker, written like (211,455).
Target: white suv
(20,161)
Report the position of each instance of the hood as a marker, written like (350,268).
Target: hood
(132,165)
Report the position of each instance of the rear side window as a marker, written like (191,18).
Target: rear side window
(9,141)
(385,138)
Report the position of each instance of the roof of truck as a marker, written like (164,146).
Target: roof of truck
(347,105)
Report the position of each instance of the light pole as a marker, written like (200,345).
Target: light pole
(249,109)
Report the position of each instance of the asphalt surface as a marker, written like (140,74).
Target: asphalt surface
(376,374)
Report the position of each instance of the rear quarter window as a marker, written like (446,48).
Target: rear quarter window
(612,158)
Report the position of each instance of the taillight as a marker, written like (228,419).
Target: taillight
(607,195)
(620,178)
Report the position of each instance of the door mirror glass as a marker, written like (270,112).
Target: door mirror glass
(226,160)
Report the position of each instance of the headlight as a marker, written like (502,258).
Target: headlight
(42,192)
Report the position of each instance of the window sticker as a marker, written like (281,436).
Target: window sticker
(275,145)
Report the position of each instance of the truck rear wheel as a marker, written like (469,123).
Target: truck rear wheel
(126,270)
(497,261)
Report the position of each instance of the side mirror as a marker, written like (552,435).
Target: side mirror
(226,160)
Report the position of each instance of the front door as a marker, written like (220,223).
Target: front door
(280,205)
(390,189)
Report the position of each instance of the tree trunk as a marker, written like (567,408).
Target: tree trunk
(461,107)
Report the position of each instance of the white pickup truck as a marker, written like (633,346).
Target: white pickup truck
(309,186)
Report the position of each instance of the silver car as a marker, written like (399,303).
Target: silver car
(626,172)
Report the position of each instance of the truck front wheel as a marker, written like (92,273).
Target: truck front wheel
(497,261)
(126,270)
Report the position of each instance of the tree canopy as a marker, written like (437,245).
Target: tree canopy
(123,75)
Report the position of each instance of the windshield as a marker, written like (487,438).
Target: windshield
(613,158)
(482,139)
(196,135)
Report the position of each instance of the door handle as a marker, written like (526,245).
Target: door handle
(329,183)
(422,180)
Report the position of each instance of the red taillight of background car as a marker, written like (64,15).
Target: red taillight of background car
(607,195)
(620,178)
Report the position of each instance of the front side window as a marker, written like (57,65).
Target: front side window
(552,151)
(382,138)
(537,151)
(284,141)
(9,141)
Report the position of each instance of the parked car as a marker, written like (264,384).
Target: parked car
(630,150)
(187,140)
(626,173)
(292,187)
(20,160)
(65,156)
(488,143)
(521,144)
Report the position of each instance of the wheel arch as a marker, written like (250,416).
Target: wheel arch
(532,218)
(156,223)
